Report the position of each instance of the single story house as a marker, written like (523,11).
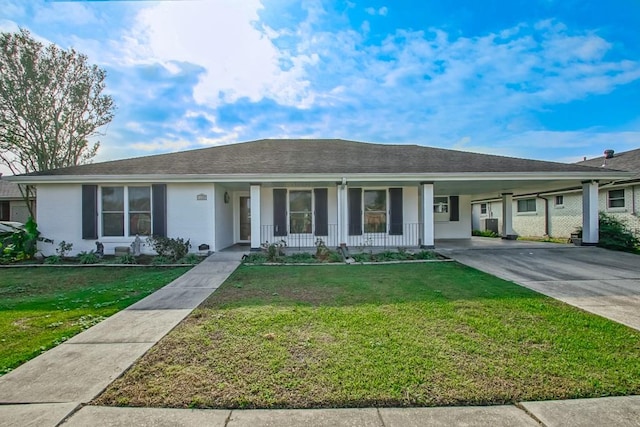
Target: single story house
(558,212)
(12,205)
(298,191)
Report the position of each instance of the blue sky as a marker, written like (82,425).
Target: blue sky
(551,80)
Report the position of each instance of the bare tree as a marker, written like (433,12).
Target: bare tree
(51,103)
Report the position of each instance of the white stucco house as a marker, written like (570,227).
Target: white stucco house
(343,192)
(558,212)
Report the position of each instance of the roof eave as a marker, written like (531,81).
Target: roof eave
(315,177)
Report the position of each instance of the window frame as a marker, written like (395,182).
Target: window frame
(5,210)
(558,200)
(616,199)
(483,208)
(385,211)
(126,212)
(310,212)
(528,202)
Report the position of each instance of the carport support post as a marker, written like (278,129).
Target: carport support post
(427,216)
(255,217)
(590,213)
(507,217)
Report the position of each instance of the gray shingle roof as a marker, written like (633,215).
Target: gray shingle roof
(9,190)
(626,161)
(278,156)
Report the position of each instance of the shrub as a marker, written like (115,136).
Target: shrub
(615,235)
(126,259)
(189,259)
(87,257)
(160,260)
(170,248)
(63,249)
(22,243)
(484,233)
(53,259)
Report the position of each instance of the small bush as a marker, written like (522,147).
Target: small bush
(170,248)
(63,249)
(484,233)
(615,235)
(85,257)
(255,258)
(160,260)
(189,259)
(126,259)
(53,259)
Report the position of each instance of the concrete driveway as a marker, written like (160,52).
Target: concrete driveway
(594,279)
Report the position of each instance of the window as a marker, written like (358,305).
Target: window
(441,205)
(483,208)
(375,211)
(133,203)
(527,205)
(559,200)
(300,217)
(616,199)
(4,211)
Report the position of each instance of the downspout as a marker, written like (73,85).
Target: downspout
(546,214)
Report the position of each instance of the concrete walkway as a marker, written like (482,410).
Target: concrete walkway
(53,389)
(45,390)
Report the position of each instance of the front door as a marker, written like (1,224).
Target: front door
(245,218)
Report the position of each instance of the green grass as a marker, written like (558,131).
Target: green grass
(42,307)
(380,335)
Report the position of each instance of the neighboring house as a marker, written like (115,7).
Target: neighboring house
(558,212)
(12,205)
(343,192)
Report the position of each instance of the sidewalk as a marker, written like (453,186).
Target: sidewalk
(45,390)
(53,389)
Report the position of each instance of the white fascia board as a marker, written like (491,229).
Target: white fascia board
(334,177)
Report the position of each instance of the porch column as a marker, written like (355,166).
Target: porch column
(428,230)
(255,217)
(343,214)
(590,229)
(507,217)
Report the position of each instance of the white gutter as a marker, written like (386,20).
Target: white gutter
(334,177)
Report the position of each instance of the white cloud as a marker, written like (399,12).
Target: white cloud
(239,58)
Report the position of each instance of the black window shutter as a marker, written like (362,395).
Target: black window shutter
(279,212)
(89,211)
(159,209)
(395,198)
(355,211)
(322,212)
(454,208)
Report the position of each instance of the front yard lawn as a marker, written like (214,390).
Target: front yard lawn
(379,335)
(42,307)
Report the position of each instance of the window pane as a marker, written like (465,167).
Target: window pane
(300,222)
(375,222)
(139,199)
(375,200)
(375,211)
(483,208)
(112,224)
(527,205)
(139,223)
(300,211)
(616,199)
(113,199)
(441,204)
(300,201)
